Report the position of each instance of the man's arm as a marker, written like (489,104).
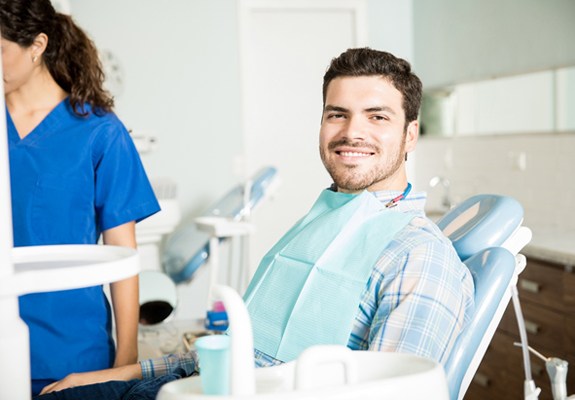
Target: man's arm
(422,304)
(142,370)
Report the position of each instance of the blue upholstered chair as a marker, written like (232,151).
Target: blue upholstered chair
(487,234)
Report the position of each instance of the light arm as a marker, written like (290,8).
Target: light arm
(125,299)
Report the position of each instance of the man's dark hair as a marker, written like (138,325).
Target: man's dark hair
(369,62)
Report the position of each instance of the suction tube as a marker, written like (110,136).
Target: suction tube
(530,390)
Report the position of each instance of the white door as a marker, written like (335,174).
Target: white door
(286,46)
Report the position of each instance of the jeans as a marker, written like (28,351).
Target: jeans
(137,389)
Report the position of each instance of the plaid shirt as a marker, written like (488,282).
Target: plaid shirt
(417,300)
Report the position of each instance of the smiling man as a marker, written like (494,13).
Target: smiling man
(364,268)
(368,124)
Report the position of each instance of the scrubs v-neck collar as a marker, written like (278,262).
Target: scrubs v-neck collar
(50,123)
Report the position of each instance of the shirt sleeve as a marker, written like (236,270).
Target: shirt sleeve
(169,364)
(189,362)
(424,305)
(123,192)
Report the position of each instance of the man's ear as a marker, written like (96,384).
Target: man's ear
(411,136)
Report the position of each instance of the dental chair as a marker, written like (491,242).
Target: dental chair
(187,248)
(487,234)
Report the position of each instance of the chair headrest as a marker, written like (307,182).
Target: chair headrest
(481,221)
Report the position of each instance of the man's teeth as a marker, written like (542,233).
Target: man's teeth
(353,154)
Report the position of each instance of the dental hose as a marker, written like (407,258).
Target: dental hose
(531,391)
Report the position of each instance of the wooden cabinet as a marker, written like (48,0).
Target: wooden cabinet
(547,296)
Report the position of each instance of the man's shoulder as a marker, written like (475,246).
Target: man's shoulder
(421,231)
(420,245)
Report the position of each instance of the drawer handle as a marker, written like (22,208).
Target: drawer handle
(529,286)
(531,327)
(481,379)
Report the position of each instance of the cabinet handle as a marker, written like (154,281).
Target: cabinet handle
(531,327)
(529,286)
(481,379)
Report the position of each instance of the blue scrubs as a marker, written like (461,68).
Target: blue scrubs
(72,178)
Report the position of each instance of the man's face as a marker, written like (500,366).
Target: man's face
(362,138)
(16,65)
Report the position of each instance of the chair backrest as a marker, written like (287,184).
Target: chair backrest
(487,234)
(187,248)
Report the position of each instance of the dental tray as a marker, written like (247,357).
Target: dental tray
(62,267)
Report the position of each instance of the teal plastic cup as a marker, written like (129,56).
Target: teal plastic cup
(214,357)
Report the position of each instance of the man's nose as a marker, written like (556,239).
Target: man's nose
(355,129)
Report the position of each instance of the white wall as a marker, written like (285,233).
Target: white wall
(390,27)
(459,41)
(182,81)
(536,169)
(180,60)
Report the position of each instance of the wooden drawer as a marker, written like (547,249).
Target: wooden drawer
(501,374)
(490,381)
(542,283)
(547,296)
(569,292)
(545,328)
(570,337)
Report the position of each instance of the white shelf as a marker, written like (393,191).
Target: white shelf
(62,267)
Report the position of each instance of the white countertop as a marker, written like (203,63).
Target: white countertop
(552,244)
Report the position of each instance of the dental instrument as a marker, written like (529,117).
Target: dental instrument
(557,371)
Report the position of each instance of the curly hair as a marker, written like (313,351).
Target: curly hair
(71,56)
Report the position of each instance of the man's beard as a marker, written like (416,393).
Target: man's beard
(354,181)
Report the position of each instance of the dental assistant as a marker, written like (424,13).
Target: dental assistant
(75,176)
(364,268)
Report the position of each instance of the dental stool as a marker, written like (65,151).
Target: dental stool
(487,234)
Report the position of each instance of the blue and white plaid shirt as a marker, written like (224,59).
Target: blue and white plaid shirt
(417,300)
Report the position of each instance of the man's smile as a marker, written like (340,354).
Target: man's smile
(353,154)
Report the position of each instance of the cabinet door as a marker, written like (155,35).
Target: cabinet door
(490,380)
(542,283)
(547,296)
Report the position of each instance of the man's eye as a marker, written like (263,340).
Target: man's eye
(380,117)
(335,116)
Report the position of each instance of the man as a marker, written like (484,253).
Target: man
(383,275)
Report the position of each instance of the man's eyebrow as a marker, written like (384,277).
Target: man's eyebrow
(380,109)
(330,107)
(335,108)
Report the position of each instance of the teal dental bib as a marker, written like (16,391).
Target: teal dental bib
(307,288)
